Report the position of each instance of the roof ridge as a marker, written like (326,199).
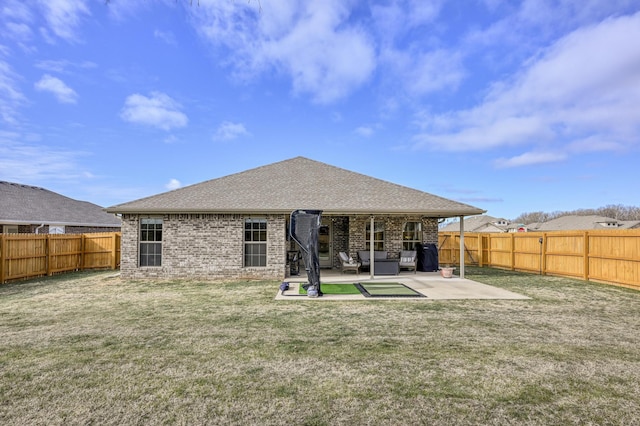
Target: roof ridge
(24,185)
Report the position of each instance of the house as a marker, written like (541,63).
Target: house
(236,226)
(31,209)
(482,223)
(576,222)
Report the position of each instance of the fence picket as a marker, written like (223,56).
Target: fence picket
(33,255)
(609,256)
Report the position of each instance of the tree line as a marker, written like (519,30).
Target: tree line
(614,211)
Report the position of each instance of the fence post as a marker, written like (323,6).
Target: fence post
(480,252)
(47,251)
(544,254)
(82,249)
(586,255)
(114,240)
(513,251)
(3,250)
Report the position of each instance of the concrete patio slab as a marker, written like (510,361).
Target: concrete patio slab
(430,284)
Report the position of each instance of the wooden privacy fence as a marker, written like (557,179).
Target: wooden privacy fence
(33,255)
(602,255)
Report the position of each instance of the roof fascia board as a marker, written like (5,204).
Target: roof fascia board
(440,214)
(56,223)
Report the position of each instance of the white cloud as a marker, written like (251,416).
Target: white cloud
(165,36)
(313,43)
(173,184)
(25,161)
(17,10)
(530,158)
(11,98)
(171,139)
(64,66)
(122,10)
(396,19)
(416,64)
(423,72)
(229,131)
(16,21)
(18,31)
(502,131)
(158,110)
(58,88)
(64,16)
(364,131)
(584,86)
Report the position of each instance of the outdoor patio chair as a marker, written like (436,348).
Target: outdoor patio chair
(409,260)
(348,264)
(364,258)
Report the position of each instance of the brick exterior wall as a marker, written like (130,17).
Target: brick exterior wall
(211,246)
(393,226)
(340,238)
(205,246)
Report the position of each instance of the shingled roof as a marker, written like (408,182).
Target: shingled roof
(25,204)
(577,222)
(298,183)
(483,223)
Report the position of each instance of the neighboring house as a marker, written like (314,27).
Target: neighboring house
(483,223)
(237,226)
(575,223)
(30,209)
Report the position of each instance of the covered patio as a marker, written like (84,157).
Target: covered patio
(431,285)
(237,226)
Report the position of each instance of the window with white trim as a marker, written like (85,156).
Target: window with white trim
(411,235)
(378,236)
(255,242)
(151,242)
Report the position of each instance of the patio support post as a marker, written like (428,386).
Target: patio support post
(371,248)
(461,246)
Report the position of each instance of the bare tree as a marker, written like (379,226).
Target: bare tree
(614,211)
(533,217)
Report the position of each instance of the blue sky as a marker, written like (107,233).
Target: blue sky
(510,106)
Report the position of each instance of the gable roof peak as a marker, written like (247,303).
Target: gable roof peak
(294,183)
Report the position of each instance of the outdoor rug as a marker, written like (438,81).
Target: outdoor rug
(387,290)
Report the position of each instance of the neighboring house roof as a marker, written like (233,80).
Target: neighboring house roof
(298,183)
(573,222)
(483,223)
(25,204)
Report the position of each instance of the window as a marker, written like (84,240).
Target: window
(255,242)
(378,236)
(151,242)
(57,229)
(411,235)
(9,229)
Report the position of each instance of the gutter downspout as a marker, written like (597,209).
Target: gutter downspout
(38,228)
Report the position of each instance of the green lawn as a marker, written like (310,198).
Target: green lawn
(90,348)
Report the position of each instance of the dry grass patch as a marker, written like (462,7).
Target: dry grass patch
(91,348)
